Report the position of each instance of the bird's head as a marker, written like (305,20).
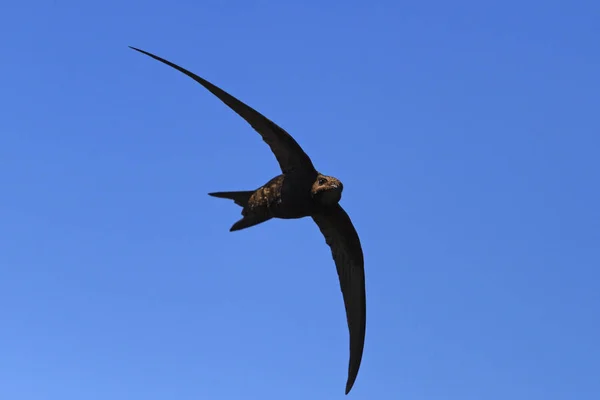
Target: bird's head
(327,190)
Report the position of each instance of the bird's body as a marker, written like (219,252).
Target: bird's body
(301,191)
(287,196)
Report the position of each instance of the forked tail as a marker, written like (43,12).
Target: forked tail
(240,198)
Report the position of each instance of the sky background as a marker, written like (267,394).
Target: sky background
(466,134)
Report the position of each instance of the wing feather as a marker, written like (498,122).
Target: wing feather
(342,238)
(287,151)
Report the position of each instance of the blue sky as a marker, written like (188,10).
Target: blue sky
(466,134)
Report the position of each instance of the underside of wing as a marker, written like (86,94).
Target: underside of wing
(347,253)
(288,152)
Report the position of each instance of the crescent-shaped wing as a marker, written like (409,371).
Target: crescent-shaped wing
(347,253)
(288,152)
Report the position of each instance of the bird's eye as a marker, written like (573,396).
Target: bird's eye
(322,181)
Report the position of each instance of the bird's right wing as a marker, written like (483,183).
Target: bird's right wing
(288,152)
(341,236)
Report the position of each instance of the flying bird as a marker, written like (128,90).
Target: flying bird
(301,191)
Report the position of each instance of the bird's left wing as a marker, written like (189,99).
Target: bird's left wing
(341,236)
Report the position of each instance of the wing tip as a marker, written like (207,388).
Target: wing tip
(349,385)
(139,50)
(351,380)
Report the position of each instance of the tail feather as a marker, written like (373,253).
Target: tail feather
(240,198)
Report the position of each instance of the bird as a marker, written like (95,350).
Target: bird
(301,191)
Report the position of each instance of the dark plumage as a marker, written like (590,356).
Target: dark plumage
(301,191)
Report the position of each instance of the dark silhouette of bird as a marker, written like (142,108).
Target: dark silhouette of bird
(301,191)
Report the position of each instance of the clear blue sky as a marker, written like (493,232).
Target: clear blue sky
(466,133)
